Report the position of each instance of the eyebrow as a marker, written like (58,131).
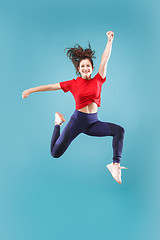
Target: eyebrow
(86,64)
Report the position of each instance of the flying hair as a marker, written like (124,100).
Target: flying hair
(77,54)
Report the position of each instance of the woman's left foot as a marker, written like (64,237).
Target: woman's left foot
(115,170)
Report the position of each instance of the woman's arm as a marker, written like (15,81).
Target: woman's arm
(50,87)
(106,55)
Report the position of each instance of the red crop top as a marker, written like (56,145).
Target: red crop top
(84,91)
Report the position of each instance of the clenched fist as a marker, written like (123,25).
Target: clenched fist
(110,35)
(25,94)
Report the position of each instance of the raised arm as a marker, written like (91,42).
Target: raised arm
(106,55)
(50,87)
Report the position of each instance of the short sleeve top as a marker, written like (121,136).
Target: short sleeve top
(84,91)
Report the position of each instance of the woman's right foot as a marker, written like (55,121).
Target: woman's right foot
(59,119)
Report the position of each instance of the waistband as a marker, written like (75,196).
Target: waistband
(91,117)
(82,113)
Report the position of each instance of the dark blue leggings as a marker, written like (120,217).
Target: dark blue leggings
(89,124)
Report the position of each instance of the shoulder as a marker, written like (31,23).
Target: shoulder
(68,81)
(99,77)
(67,85)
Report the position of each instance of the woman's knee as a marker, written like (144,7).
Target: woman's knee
(121,131)
(58,150)
(55,155)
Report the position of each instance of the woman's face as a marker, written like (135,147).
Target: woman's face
(85,68)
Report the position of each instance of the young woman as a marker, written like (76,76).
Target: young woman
(87,95)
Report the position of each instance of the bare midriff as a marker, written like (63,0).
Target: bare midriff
(91,108)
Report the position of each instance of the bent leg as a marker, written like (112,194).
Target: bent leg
(59,143)
(101,129)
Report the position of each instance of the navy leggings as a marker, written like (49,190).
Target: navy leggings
(89,124)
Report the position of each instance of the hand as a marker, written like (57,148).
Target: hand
(110,35)
(25,94)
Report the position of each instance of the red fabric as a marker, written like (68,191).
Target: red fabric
(84,91)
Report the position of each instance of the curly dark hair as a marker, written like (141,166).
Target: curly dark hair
(77,54)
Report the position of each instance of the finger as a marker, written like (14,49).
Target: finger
(109,34)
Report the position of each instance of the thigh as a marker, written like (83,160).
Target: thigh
(101,129)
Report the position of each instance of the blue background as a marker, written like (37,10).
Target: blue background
(75,197)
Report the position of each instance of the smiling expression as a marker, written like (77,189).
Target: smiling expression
(85,68)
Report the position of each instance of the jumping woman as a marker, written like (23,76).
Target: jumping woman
(87,94)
